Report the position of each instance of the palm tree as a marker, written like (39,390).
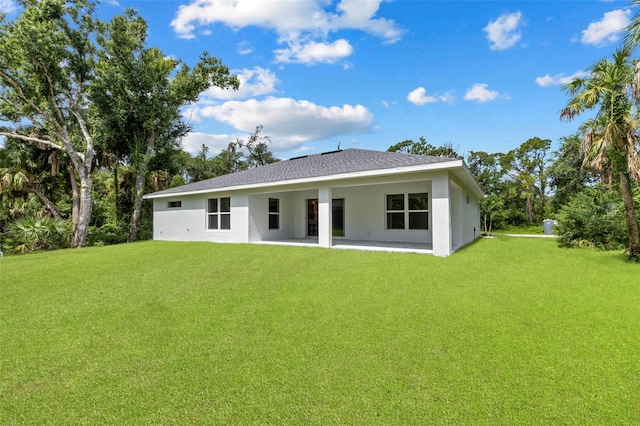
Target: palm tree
(610,142)
(22,171)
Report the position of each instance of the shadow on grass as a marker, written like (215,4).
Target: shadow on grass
(469,246)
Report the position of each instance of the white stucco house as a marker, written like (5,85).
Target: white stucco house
(350,198)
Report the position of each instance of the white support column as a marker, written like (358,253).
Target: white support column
(325,236)
(441,215)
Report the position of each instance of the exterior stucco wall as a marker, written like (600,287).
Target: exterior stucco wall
(457,216)
(189,222)
(365,212)
(471,227)
(465,215)
(259,217)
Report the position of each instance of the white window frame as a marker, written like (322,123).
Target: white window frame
(396,212)
(218,219)
(175,204)
(420,211)
(274,214)
(405,211)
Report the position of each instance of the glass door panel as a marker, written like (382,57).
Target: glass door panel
(337,216)
(312,217)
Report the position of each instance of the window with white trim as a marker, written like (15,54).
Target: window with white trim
(219,213)
(174,204)
(274,213)
(408,211)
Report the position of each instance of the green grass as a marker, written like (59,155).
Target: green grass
(524,229)
(507,331)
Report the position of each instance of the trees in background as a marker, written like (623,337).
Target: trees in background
(610,141)
(488,171)
(566,175)
(34,201)
(138,95)
(421,147)
(25,169)
(526,167)
(516,182)
(47,59)
(239,155)
(90,97)
(593,217)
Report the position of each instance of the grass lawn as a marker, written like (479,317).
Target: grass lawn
(507,331)
(526,229)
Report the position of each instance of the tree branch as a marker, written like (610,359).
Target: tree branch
(16,87)
(31,139)
(20,93)
(52,99)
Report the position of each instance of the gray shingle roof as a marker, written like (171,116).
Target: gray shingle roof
(317,165)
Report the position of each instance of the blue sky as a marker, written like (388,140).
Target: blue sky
(482,75)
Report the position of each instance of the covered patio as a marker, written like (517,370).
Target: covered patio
(345,244)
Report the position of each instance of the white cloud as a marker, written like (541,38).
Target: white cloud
(607,30)
(192,142)
(291,121)
(238,14)
(419,97)
(244,48)
(7,6)
(480,93)
(314,52)
(447,98)
(253,82)
(359,14)
(503,32)
(559,79)
(301,25)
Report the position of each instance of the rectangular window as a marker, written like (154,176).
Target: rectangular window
(274,213)
(174,204)
(410,209)
(219,213)
(419,211)
(395,211)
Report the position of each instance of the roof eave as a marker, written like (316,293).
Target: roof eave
(444,165)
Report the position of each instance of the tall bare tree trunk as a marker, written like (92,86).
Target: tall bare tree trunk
(116,191)
(75,198)
(529,210)
(138,190)
(630,215)
(79,238)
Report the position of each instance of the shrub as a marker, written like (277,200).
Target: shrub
(31,233)
(593,218)
(107,234)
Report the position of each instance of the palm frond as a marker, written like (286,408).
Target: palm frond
(632,34)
